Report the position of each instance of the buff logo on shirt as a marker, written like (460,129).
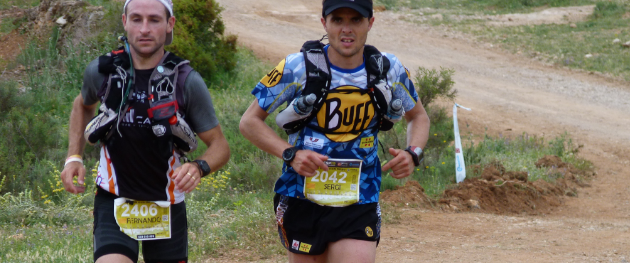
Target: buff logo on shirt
(273,78)
(346,111)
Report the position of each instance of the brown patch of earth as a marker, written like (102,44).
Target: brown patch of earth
(10,43)
(411,194)
(499,191)
(77,20)
(10,46)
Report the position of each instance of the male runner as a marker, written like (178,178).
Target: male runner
(140,154)
(341,140)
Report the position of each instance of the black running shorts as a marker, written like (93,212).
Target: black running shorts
(108,239)
(306,228)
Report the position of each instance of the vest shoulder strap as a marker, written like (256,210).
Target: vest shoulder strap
(318,77)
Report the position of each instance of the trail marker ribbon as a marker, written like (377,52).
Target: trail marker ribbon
(460,166)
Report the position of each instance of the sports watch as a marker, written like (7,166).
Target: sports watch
(203,166)
(289,154)
(416,154)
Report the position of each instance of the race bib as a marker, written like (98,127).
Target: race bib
(143,220)
(339,186)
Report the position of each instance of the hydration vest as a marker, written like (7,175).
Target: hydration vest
(165,97)
(318,78)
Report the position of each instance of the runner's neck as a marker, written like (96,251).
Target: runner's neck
(345,62)
(146,62)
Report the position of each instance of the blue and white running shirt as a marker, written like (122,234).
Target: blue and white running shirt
(343,111)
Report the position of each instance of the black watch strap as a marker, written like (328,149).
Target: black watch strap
(289,154)
(203,167)
(416,154)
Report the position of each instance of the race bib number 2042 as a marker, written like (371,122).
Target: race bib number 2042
(143,220)
(339,186)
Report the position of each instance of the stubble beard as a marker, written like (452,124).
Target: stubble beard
(149,54)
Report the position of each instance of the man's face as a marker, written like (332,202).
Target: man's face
(347,31)
(146,26)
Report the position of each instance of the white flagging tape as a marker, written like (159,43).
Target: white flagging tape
(460,166)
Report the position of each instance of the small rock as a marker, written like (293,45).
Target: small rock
(588,55)
(510,19)
(473,204)
(573,25)
(62,21)
(627,44)
(438,17)
(616,41)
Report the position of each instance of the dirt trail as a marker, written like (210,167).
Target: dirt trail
(505,92)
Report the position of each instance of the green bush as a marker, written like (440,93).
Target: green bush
(432,84)
(607,9)
(199,37)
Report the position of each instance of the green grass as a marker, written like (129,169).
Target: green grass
(558,44)
(8,4)
(7,25)
(567,46)
(484,6)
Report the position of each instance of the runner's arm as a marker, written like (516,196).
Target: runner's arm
(254,128)
(417,135)
(418,124)
(188,176)
(79,119)
(218,152)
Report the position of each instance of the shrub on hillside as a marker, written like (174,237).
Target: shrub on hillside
(432,84)
(608,9)
(199,38)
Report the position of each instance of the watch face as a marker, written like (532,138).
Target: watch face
(417,151)
(288,154)
(204,166)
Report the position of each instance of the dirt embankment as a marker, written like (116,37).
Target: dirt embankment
(76,20)
(499,191)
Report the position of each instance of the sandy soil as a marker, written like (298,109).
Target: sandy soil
(556,15)
(509,94)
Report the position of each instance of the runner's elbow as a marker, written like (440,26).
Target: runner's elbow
(246,124)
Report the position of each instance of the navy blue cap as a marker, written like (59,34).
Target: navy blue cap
(364,7)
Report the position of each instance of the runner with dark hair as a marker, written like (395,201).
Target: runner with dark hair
(339,97)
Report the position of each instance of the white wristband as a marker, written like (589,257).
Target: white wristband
(73,159)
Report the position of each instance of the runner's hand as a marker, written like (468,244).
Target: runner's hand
(186,177)
(402,164)
(306,162)
(67,175)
